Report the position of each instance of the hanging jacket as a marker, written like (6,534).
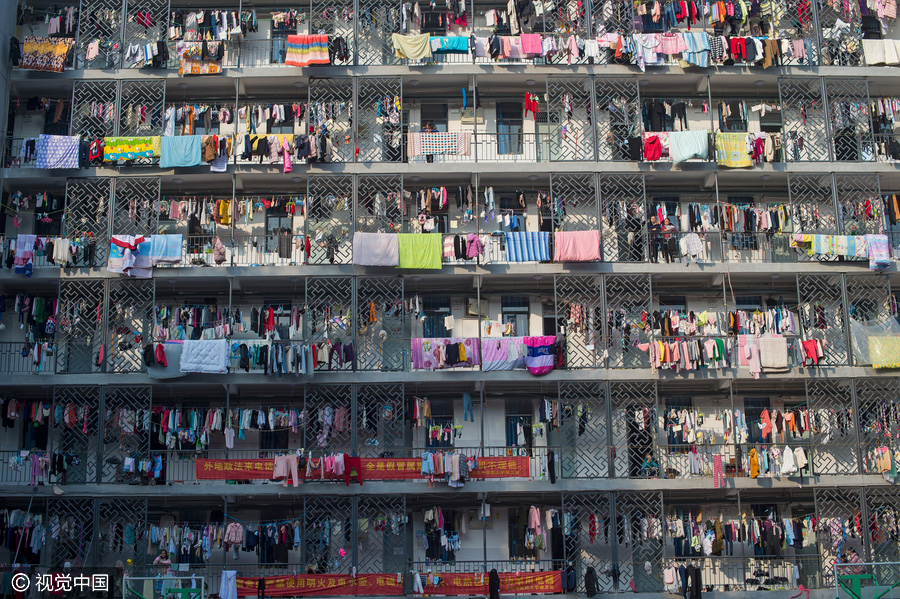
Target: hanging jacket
(590,582)
(754,464)
(569,579)
(218,251)
(494,584)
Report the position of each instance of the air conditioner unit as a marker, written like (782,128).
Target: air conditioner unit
(472,308)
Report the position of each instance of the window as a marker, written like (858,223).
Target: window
(509,127)
(277,223)
(749,302)
(51,228)
(436,429)
(753,408)
(436,113)
(674,434)
(770,122)
(515,310)
(672,302)
(669,210)
(731,116)
(519,418)
(435,309)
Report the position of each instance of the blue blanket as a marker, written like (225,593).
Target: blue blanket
(181,150)
(452,43)
(166,249)
(528,247)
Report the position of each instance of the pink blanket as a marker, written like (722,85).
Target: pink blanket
(531,43)
(576,246)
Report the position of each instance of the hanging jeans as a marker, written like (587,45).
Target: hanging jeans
(668,17)
(467,408)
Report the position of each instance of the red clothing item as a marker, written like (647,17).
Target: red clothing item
(270,320)
(739,48)
(531,104)
(161,355)
(766,424)
(351,464)
(811,350)
(652,148)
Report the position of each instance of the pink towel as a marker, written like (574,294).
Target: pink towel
(531,43)
(576,246)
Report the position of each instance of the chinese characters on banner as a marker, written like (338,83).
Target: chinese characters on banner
(526,583)
(373,469)
(323,584)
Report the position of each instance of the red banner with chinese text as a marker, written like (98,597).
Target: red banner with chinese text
(526,583)
(373,469)
(322,585)
(234,469)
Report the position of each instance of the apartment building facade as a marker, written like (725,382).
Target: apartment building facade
(628,266)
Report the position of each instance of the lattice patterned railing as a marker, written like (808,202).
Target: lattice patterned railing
(579,307)
(123,433)
(628,298)
(328,528)
(573,202)
(836,504)
(141,107)
(634,550)
(592,536)
(329,312)
(633,437)
(380,414)
(133,212)
(121,520)
(850,119)
(380,309)
(821,313)
(330,425)
(617,112)
(857,195)
(87,215)
(95,108)
(380,125)
(381,534)
(571,135)
(330,218)
(878,402)
(75,518)
(583,431)
(147,23)
(129,321)
(378,208)
(80,334)
(833,421)
(331,110)
(376,21)
(804,120)
(623,209)
(101,20)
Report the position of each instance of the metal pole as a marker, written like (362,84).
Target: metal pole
(22,537)
(484,533)
(845,315)
(474,113)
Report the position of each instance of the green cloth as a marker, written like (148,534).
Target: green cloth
(412,46)
(420,250)
(40,314)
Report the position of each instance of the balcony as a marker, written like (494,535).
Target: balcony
(611,33)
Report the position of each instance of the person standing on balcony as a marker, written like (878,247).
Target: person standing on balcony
(670,241)
(655,238)
(429,128)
